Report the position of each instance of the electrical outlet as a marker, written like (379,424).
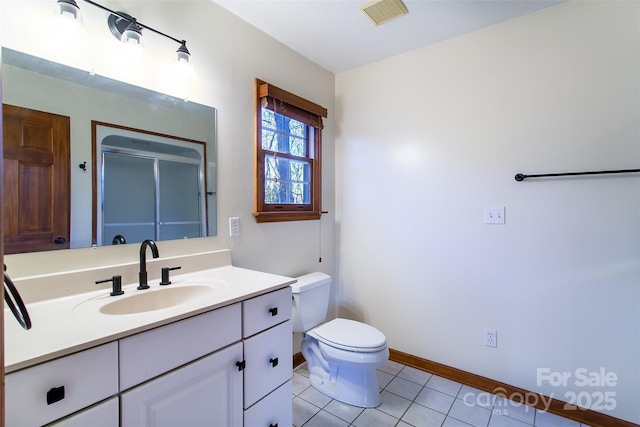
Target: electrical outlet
(490,338)
(234,226)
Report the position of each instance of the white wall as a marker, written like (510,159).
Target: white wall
(429,138)
(227,54)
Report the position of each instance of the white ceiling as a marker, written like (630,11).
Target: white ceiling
(338,36)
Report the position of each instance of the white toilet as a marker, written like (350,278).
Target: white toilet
(342,355)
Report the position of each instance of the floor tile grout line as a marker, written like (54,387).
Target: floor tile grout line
(457,397)
(412,401)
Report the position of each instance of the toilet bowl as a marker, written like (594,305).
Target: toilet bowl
(342,355)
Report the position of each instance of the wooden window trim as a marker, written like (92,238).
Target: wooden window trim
(309,113)
(266,89)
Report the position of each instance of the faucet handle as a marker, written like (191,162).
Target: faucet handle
(117,285)
(165,275)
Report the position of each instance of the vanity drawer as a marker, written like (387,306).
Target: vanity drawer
(52,390)
(269,362)
(274,410)
(152,353)
(265,311)
(106,414)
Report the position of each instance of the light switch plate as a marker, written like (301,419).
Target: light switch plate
(494,215)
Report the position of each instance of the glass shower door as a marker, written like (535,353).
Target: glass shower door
(180,200)
(129,198)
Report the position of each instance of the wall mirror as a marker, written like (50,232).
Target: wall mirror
(42,85)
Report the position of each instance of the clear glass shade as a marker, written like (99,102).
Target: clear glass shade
(68,9)
(132,34)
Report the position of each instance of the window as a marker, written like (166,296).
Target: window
(288,156)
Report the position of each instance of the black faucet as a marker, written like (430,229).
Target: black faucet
(118,239)
(142,284)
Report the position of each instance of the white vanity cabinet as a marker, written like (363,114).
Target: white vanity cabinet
(49,391)
(269,360)
(206,388)
(230,366)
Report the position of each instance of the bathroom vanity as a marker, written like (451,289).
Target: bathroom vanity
(213,347)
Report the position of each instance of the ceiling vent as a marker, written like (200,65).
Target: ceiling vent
(381,11)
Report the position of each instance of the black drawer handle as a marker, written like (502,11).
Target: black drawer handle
(273,425)
(241,365)
(274,362)
(54,395)
(273,311)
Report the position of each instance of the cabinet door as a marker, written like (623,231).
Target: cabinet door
(206,392)
(274,410)
(269,362)
(105,414)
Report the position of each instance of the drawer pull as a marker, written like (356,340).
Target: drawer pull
(54,395)
(241,365)
(273,311)
(274,362)
(273,425)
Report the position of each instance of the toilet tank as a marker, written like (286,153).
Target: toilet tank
(310,300)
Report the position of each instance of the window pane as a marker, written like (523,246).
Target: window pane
(268,119)
(283,134)
(269,140)
(296,127)
(287,181)
(297,147)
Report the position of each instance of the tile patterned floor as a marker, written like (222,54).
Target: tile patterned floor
(411,397)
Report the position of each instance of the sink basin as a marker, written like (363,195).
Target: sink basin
(157,299)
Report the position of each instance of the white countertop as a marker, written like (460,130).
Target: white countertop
(62,326)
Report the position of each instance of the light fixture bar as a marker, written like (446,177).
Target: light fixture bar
(130,19)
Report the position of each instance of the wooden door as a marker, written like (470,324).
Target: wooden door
(36,189)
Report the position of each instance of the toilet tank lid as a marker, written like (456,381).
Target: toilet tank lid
(310,281)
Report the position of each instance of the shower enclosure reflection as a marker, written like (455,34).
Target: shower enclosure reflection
(151,186)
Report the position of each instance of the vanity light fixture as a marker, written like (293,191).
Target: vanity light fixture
(183,52)
(124,27)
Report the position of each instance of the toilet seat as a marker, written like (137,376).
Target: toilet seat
(350,335)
